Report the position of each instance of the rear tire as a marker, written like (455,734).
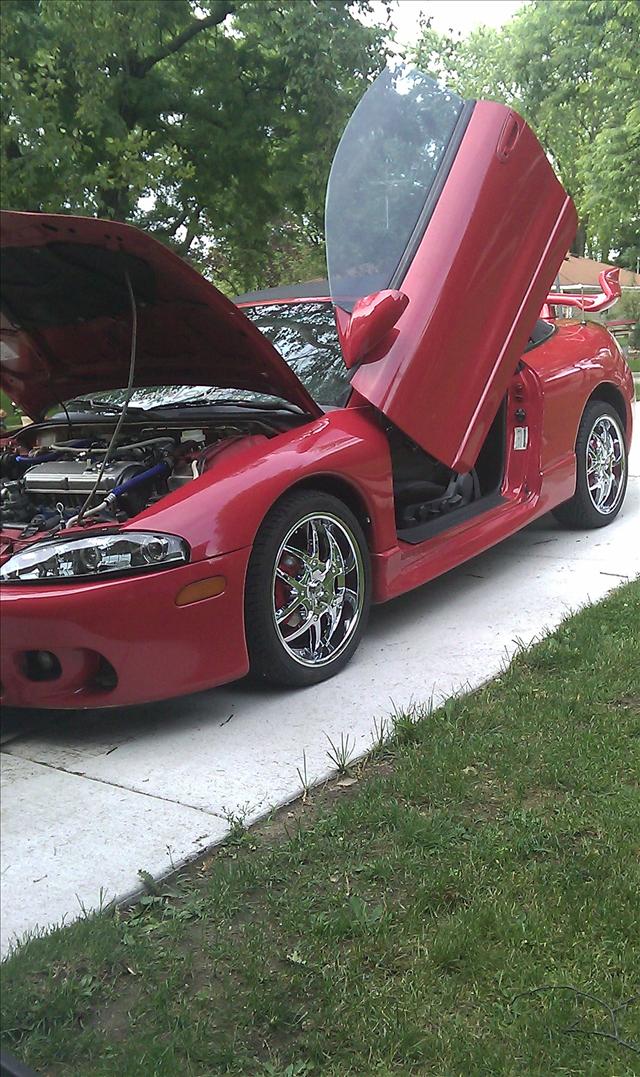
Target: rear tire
(602,470)
(308,590)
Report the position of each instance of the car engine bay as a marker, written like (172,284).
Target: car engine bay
(48,479)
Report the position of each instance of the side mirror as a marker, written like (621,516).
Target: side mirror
(371,319)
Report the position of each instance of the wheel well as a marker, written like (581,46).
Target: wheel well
(610,395)
(344,491)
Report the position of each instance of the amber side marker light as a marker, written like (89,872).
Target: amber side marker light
(195,592)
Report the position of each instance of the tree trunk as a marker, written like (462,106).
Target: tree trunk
(580,242)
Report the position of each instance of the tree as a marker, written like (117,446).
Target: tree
(571,68)
(211,123)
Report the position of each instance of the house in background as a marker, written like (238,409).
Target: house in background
(577,274)
(576,271)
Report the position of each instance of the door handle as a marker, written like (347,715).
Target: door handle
(509,136)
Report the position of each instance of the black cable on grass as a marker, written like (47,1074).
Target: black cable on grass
(128,394)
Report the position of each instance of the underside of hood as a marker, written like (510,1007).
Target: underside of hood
(67,317)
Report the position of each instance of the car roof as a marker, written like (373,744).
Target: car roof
(310,289)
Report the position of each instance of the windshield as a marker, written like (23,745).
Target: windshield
(305,334)
(389,161)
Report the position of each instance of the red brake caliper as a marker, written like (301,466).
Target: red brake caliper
(291,566)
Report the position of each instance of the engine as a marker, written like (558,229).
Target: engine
(74,480)
(47,485)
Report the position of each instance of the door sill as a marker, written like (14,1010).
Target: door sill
(430,528)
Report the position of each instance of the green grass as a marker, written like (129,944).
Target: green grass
(389,926)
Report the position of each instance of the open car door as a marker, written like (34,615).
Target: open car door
(454,204)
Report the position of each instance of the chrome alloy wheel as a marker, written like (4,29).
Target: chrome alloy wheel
(605,464)
(317,589)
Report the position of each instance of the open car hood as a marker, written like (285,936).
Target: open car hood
(447,215)
(66,317)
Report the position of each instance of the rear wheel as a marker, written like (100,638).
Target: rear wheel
(601,460)
(307,595)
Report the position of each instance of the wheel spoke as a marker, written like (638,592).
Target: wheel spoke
(596,492)
(607,486)
(599,439)
(291,581)
(351,598)
(350,563)
(334,565)
(313,539)
(334,614)
(335,557)
(288,611)
(303,627)
(301,556)
(316,637)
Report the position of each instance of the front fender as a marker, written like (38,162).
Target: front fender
(222,510)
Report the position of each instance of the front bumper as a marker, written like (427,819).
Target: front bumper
(132,628)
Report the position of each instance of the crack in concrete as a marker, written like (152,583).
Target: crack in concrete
(115,785)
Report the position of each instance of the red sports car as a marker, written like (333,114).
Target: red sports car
(211,487)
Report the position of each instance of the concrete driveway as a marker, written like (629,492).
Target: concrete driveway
(89,799)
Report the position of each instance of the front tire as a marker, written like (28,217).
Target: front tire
(602,470)
(308,590)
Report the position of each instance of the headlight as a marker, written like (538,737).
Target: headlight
(94,556)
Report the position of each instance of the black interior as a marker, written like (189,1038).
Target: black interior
(430,498)
(541,331)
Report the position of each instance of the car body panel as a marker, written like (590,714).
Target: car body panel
(488,256)
(345,448)
(66,321)
(585,358)
(158,649)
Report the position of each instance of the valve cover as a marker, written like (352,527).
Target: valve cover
(62,477)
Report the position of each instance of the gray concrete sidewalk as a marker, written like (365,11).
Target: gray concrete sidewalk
(89,799)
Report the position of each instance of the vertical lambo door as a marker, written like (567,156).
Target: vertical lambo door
(451,210)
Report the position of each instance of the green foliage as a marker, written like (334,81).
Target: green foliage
(571,68)
(211,124)
(628,306)
(12,414)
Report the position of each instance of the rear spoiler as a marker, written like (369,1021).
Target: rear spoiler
(609,281)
